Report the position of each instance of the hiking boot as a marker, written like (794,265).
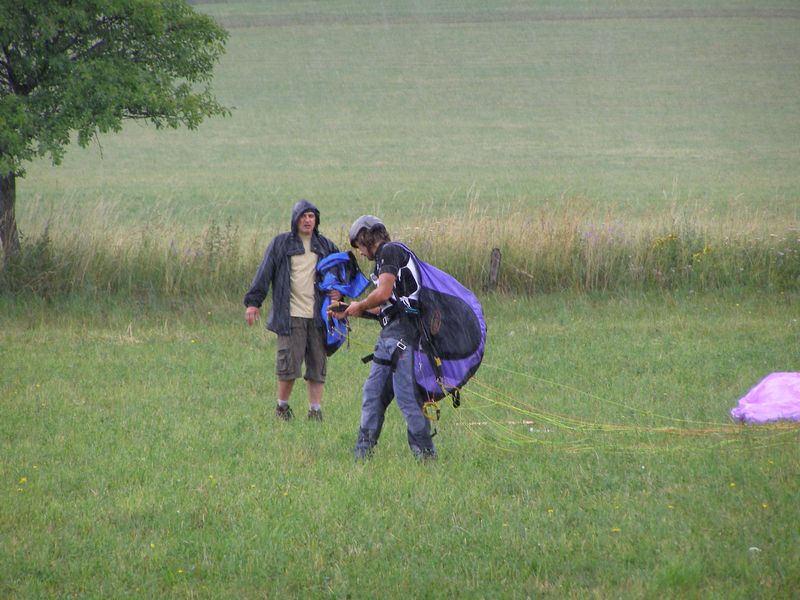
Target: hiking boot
(284,412)
(363,453)
(365,446)
(426,455)
(314,415)
(422,446)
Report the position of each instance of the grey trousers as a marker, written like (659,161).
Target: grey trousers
(381,387)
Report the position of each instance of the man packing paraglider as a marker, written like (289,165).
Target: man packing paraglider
(392,373)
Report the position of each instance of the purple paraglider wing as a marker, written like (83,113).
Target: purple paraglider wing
(774,398)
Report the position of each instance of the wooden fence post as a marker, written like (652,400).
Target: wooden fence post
(494,269)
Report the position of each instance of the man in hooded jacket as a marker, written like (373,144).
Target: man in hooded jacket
(289,267)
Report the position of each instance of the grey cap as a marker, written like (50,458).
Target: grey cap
(368,222)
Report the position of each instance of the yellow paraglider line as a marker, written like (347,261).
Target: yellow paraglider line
(600,399)
(493,397)
(578,424)
(779,434)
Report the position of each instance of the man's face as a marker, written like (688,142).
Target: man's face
(364,251)
(307,222)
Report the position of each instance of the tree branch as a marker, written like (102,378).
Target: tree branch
(106,23)
(5,69)
(10,76)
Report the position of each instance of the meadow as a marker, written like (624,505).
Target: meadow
(141,458)
(401,108)
(636,164)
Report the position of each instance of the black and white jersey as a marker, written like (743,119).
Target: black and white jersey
(394,259)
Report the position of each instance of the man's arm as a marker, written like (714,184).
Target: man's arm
(376,297)
(260,285)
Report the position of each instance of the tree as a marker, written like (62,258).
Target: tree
(80,67)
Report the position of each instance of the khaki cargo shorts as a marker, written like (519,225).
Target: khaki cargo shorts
(306,344)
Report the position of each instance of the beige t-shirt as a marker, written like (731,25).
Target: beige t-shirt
(301,296)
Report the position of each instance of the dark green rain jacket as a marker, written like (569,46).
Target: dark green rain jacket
(276,268)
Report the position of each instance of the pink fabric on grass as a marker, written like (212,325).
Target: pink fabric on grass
(774,398)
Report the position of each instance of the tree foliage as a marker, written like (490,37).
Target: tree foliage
(83,66)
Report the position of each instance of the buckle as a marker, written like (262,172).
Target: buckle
(401,345)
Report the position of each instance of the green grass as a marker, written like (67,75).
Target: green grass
(460,120)
(602,146)
(399,107)
(139,458)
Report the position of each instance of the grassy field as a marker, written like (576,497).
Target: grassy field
(638,165)
(401,108)
(140,458)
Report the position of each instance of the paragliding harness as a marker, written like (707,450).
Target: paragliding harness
(452,336)
(340,272)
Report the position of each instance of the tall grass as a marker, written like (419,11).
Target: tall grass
(157,258)
(568,248)
(578,249)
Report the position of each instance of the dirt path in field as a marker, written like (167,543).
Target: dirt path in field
(316,19)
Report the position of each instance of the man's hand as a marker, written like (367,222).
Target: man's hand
(356,309)
(251,314)
(336,309)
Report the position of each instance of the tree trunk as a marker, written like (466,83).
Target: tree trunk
(9,236)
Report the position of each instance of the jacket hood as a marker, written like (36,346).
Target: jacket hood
(299,208)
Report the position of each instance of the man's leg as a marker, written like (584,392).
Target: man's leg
(377,396)
(315,389)
(405,389)
(285,389)
(316,369)
(282,409)
(287,367)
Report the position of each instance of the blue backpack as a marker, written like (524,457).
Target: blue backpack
(453,333)
(338,271)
